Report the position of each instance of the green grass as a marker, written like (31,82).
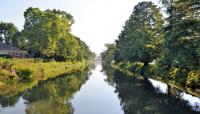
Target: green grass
(30,72)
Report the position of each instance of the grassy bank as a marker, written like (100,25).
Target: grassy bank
(133,70)
(18,75)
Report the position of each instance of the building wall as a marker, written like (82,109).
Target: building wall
(15,54)
(3,52)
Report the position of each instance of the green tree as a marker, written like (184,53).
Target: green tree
(48,35)
(85,51)
(108,56)
(67,48)
(8,33)
(142,36)
(181,53)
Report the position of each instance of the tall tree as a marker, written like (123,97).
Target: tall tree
(48,35)
(181,52)
(142,36)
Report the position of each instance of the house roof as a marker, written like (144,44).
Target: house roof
(4,46)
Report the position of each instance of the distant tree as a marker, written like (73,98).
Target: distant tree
(85,51)
(108,55)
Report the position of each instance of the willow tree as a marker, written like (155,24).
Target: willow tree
(181,54)
(142,36)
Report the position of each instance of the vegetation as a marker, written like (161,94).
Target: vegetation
(53,95)
(107,56)
(181,55)
(8,33)
(46,34)
(141,38)
(30,72)
(47,38)
(138,96)
(148,48)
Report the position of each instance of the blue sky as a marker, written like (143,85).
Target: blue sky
(96,21)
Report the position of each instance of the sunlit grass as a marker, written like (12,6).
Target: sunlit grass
(41,71)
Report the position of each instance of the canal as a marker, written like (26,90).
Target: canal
(100,92)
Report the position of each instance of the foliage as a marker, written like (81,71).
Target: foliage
(24,74)
(54,94)
(141,97)
(181,54)
(8,33)
(33,71)
(108,56)
(170,52)
(48,35)
(193,79)
(141,38)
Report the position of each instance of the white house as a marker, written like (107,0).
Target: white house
(7,49)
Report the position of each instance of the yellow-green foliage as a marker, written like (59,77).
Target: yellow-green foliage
(40,71)
(193,78)
(131,69)
(6,75)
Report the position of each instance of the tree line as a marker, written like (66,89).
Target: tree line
(46,34)
(167,48)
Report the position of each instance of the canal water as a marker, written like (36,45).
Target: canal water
(100,92)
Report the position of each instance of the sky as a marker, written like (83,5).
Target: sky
(97,22)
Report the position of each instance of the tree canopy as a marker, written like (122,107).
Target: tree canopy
(8,33)
(142,36)
(173,43)
(46,34)
(181,54)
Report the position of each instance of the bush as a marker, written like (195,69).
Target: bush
(25,74)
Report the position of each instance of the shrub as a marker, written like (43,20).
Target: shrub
(25,74)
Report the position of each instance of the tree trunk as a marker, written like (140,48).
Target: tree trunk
(142,73)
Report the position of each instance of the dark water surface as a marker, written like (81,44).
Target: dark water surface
(107,92)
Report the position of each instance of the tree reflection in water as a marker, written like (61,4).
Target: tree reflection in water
(51,97)
(140,97)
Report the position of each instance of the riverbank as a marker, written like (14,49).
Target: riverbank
(18,75)
(133,70)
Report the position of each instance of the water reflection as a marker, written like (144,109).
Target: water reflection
(96,96)
(51,97)
(122,95)
(141,97)
(163,88)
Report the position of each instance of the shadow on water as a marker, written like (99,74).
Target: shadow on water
(146,97)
